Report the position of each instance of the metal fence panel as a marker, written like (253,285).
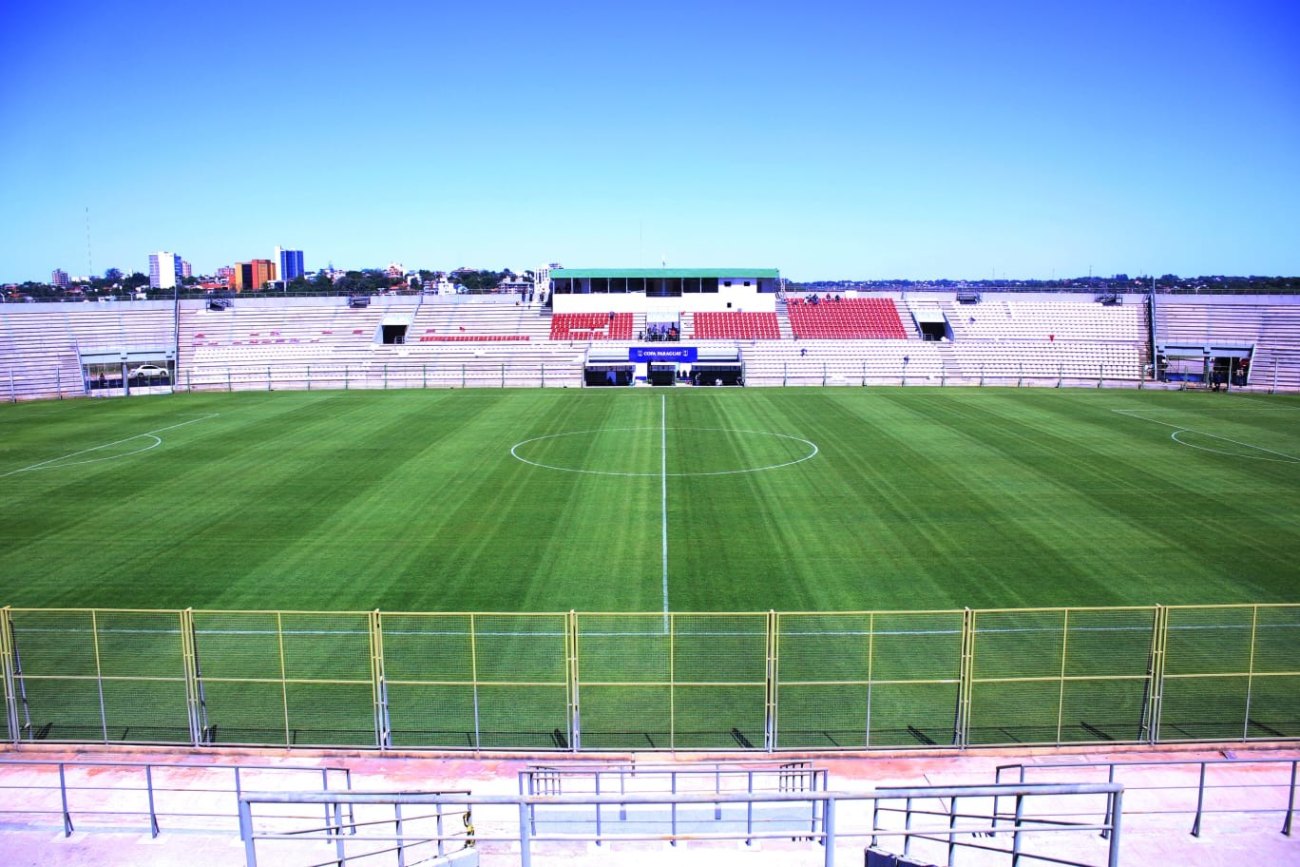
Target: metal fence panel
(241,668)
(1059,675)
(689,681)
(1107,666)
(868,679)
(429,667)
(1207,664)
(522,686)
(100,676)
(328,689)
(1274,701)
(719,680)
(625,690)
(654,681)
(57,685)
(140,657)
(823,679)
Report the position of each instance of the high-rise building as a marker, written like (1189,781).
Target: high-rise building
(164,270)
(290,262)
(59,278)
(252,275)
(187,270)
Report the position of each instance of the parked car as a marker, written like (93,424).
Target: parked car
(149,371)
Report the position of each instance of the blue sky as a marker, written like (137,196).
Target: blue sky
(915,140)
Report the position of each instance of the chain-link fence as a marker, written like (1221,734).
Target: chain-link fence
(698,681)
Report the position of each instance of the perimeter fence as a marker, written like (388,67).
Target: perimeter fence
(580,681)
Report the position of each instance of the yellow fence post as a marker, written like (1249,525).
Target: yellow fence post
(965,677)
(1060,696)
(1150,731)
(194,704)
(473,674)
(9,670)
(378,682)
(770,729)
(99,674)
(1250,671)
(284,678)
(571,678)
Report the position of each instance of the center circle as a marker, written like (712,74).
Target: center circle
(654,451)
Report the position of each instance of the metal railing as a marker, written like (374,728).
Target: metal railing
(721,779)
(1252,792)
(203,791)
(967,822)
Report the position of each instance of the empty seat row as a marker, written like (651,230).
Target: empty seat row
(850,318)
(736,326)
(591,326)
(472,338)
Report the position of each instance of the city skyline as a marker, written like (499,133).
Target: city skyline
(1013,141)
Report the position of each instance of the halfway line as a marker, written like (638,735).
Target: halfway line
(663,479)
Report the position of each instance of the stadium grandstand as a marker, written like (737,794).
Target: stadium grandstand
(776,338)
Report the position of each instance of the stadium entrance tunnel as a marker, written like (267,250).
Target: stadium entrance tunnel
(1211,366)
(662,373)
(718,374)
(598,375)
(932,324)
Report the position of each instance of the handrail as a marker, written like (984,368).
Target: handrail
(826,834)
(1200,787)
(150,787)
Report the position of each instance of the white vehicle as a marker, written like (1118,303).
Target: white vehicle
(151,371)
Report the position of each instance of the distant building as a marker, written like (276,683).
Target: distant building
(439,285)
(186,270)
(226,274)
(252,276)
(164,270)
(514,283)
(59,278)
(542,278)
(290,262)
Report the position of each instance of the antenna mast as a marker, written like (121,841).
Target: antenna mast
(90,262)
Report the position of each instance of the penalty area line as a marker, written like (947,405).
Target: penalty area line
(151,434)
(1282,457)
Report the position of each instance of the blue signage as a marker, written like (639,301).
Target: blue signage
(686,354)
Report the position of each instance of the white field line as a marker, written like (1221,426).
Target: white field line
(518,446)
(663,486)
(157,442)
(1178,428)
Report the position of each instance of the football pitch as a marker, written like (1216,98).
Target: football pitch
(637,500)
(670,521)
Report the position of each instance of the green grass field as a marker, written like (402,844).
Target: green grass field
(915,499)
(631,502)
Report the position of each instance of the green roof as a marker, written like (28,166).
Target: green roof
(579,273)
